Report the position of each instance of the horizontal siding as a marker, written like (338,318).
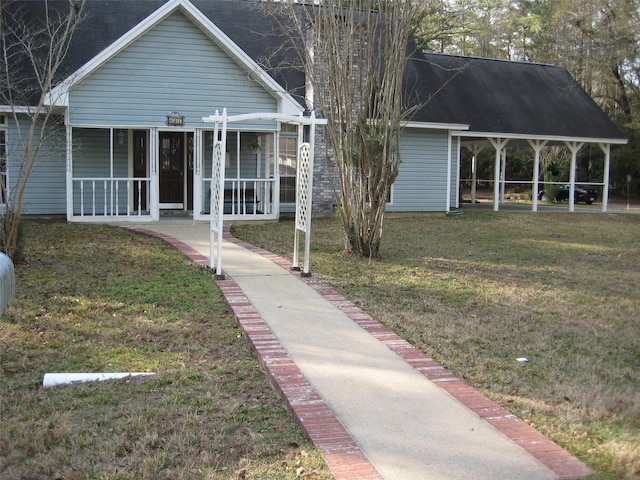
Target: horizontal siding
(174,67)
(46,187)
(421,185)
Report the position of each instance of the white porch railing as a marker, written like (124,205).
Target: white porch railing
(244,197)
(111,197)
(248,198)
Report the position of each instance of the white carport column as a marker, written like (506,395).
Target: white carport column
(475,151)
(537,146)
(503,174)
(606,148)
(575,148)
(498,144)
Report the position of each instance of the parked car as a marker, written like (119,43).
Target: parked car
(582,193)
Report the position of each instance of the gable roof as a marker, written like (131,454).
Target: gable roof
(123,14)
(509,99)
(493,98)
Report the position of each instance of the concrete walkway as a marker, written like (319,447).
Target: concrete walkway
(375,406)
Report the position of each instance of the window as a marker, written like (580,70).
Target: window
(287,164)
(287,161)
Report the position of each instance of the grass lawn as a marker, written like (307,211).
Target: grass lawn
(102,299)
(479,290)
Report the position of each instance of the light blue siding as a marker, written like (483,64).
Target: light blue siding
(421,185)
(46,187)
(173,67)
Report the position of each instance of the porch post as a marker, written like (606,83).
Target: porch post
(69,169)
(154,197)
(606,148)
(197,174)
(276,172)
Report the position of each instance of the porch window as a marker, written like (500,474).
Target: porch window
(287,168)
(287,163)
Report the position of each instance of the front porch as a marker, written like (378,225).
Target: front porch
(141,174)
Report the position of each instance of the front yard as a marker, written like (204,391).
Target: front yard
(102,299)
(479,290)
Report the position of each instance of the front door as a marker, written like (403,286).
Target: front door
(171,170)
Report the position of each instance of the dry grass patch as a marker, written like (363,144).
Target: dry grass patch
(479,290)
(97,298)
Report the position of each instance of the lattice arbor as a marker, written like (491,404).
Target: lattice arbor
(217,191)
(304,186)
(304,181)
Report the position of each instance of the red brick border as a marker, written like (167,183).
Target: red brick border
(340,451)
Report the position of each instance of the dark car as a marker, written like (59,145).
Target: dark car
(582,193)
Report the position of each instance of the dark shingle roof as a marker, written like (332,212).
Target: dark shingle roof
(491,96)
(496,96)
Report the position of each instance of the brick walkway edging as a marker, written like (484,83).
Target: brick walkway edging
(341,453)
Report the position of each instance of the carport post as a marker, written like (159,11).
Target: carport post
(606,148)
(537,146)
(574,147)
(475,151)
(498,144)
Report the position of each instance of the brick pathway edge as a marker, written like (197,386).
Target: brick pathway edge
(341,453)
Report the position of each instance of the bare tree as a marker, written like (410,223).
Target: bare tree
(33,53)
(354,54)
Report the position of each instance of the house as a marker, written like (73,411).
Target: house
(140,77)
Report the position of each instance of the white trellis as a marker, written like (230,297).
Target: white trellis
(217,192)
(304,186)
(304,181)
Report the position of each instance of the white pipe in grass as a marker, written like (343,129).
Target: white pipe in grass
(54,379)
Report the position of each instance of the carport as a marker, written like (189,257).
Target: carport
(514,104)
(500,144)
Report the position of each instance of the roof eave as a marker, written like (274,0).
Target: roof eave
(548,138)
(436,126)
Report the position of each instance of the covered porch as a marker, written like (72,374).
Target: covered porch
(142,174)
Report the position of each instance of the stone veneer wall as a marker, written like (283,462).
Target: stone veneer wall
(323,169)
